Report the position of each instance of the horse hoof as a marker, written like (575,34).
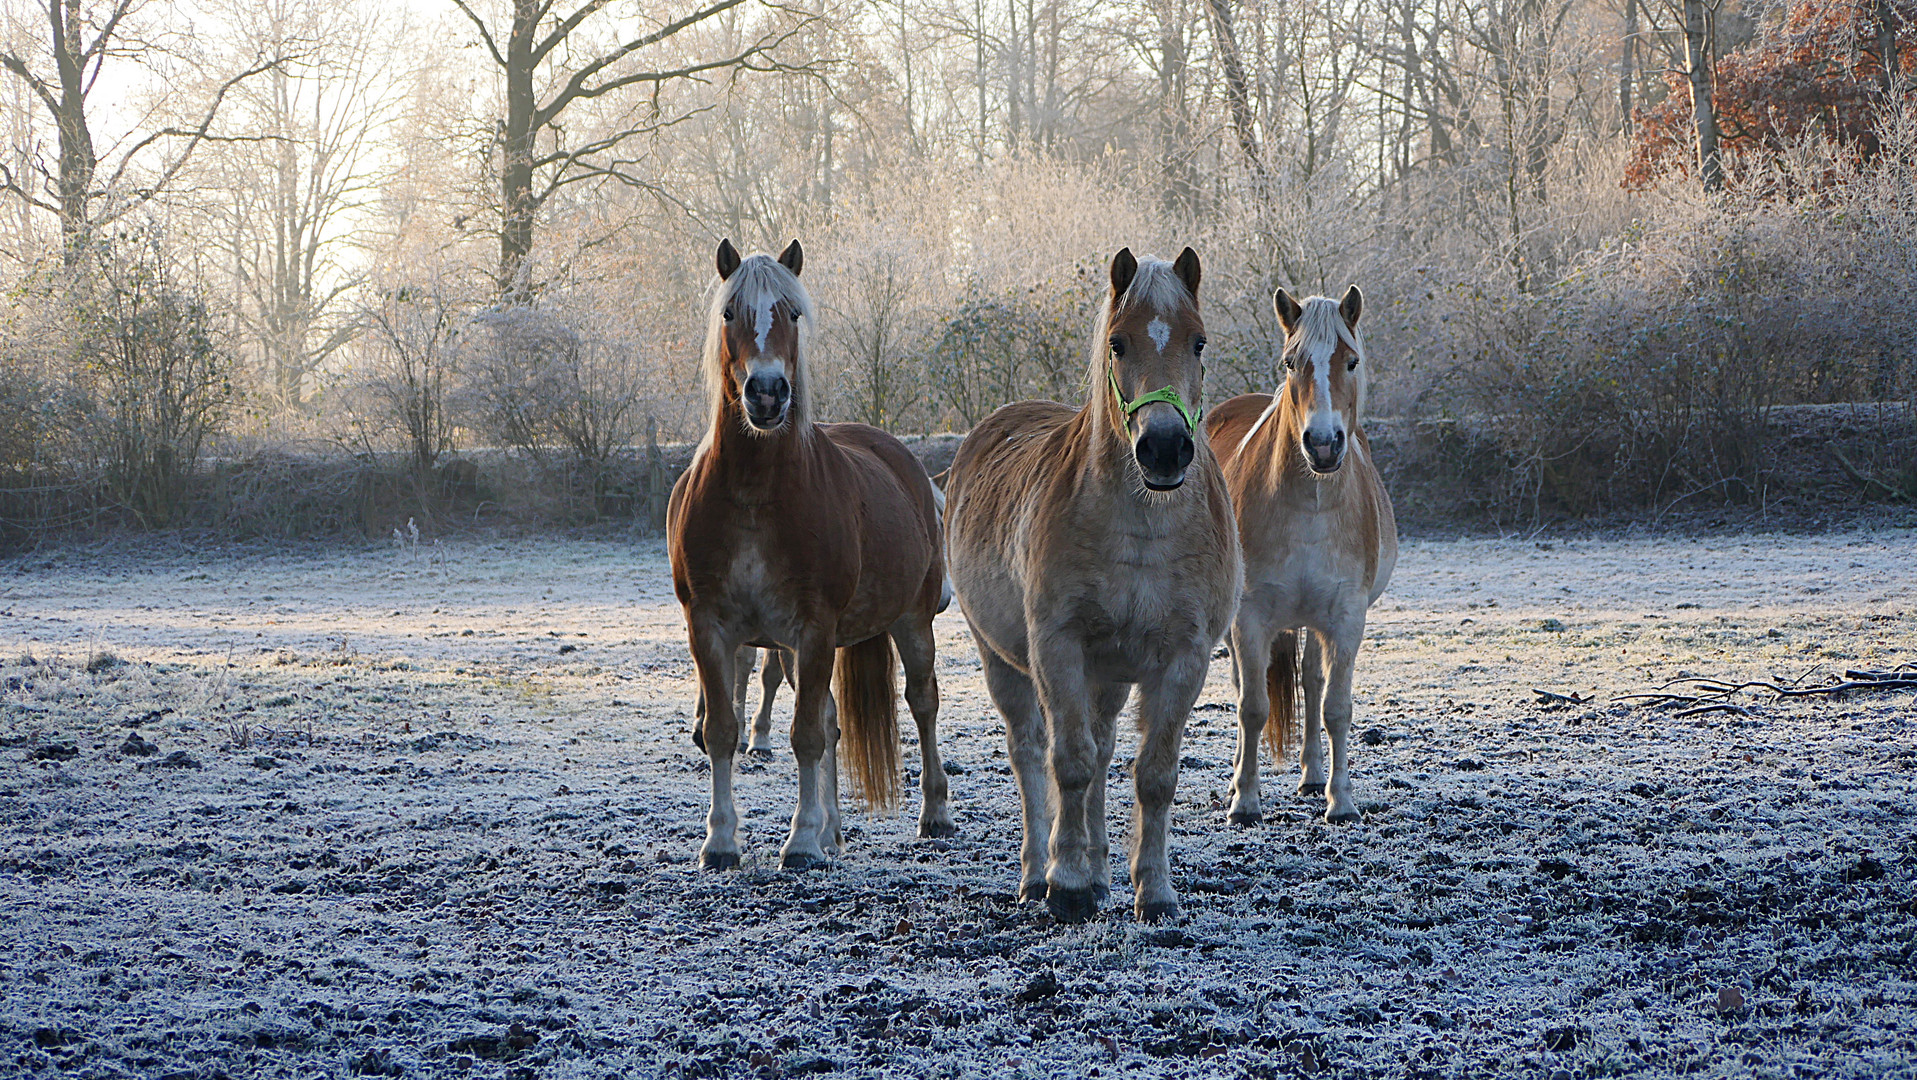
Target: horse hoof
(1158,911)
(1032,890)
(1102,891)
(1072,905)
(801,860)
(1246,818)
(763,753)
(1345,817)
(936,830)
(1312,790)
(719,860)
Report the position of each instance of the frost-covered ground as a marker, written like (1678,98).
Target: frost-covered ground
(437,813)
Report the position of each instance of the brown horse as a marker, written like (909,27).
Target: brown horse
(1093,550)
(819,538)
(1320,543)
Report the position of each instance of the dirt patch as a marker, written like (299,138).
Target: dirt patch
(398,811)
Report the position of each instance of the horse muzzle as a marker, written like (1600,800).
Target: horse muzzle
(767,398)
(1163,451)
(1326,454)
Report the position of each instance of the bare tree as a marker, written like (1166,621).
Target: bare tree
(536,160)
(290,209)
(80,39)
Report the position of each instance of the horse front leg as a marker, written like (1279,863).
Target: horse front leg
(1164,706)
(914,642)
(1254,710)
(1311,755)
(713,657)
(1017,702)
(804,847)
(1058,670)
(1339,805)
(1106,704)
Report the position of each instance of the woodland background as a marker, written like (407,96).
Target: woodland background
(298,267)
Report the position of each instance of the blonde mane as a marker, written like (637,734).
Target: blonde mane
(1157,286)
(754,289)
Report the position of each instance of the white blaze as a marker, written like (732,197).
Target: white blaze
(763,315)
(1159,331)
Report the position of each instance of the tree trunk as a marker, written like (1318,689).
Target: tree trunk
(77,158)
(1627,66)
(1236,94)
(517,205)
(1887,46)
(1697,61)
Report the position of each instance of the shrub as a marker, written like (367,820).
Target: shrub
(152,371)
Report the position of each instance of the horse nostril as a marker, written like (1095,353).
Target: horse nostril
(1186,448)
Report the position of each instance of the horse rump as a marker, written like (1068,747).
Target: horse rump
(1281,683)
(867,692)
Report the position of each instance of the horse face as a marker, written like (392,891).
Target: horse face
(761,355)
(1323,382)
(1156,340)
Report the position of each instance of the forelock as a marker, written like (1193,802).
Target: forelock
(1156,287)
(1321,329)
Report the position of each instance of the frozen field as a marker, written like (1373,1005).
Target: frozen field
(436,813)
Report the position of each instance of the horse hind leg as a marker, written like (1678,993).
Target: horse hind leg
(776,662)
(1311,759)
(1025,743)
(914,641)
(741,678)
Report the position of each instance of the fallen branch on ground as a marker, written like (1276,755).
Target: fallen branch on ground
(1701,694)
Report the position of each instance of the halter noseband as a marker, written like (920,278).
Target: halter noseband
(1165,394)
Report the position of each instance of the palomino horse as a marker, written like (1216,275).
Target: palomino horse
(820,538)
(1094,550)
(778,663)
(1320,543)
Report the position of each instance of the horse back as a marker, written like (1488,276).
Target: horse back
(1230,422)
(1003,455)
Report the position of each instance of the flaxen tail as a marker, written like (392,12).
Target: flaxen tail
(869,720)
(1281,682)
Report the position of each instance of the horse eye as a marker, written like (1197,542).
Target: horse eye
(795,315)
(1352,365)
(1118,347)
(728,313)
(1198,347)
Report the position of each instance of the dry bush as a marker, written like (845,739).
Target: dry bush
(407,365)
(570,398)
(152,371)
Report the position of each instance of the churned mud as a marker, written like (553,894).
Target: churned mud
(433,811)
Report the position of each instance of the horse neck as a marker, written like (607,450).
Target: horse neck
(750,461)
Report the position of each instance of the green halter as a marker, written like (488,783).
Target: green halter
(1165,394)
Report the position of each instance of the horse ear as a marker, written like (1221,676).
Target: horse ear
(1288,310)
(1124,269)
(728,258)
(1352,306)
(792,257)
(1188,271)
